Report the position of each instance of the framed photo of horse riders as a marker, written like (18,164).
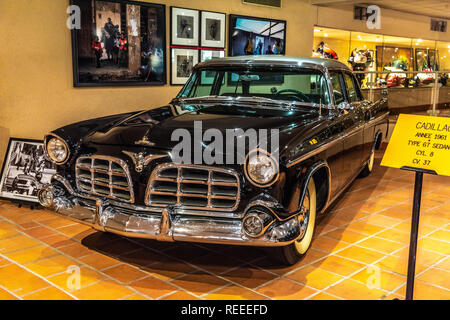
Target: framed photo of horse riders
(118,43)
(25,169)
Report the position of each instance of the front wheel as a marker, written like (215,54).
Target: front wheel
(292,253)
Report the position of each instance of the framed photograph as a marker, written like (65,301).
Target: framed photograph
(182,63)
(213,29)
(119,43)
(438,25)
(184,26)
(256,36)
(205,55)
(25,170)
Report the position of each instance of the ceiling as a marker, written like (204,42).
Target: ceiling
(431,8)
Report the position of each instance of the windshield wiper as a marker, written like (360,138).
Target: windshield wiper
(204,98)
(287,105)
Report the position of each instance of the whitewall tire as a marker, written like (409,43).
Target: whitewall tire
(292,253)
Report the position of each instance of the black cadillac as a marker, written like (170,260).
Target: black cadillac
(120,174)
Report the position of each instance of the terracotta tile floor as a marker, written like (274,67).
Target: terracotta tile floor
(360,251)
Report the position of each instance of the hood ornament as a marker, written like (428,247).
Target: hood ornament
(140,160)
(145,142)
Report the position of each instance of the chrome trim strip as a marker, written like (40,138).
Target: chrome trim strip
(314,152)
(180,180)
(327,145)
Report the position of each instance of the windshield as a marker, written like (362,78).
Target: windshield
(295,86)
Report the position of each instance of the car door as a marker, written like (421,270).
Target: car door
(353,129)
(335,153)
(356,101)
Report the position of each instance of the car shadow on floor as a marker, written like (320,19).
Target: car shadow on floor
(247,266)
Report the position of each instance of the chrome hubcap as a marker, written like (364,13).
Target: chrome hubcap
(304,218)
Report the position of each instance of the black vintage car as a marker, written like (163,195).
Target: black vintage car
(121,174)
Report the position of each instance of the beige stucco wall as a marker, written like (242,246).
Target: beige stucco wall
(36,88)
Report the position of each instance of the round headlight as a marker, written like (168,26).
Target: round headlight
(57,150)
(261,168)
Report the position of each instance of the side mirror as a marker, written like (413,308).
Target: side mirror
(345,106)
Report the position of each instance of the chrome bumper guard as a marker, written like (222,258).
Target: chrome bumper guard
(163,224)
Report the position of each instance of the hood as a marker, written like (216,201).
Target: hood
(157,125)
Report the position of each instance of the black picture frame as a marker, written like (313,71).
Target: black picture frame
(174,42)
(32,163)
(173,65)
(207,44)
(232,26)
(160,76)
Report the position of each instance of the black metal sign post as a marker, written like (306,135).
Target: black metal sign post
(414,229)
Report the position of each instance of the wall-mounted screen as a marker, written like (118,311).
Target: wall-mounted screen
(256,36)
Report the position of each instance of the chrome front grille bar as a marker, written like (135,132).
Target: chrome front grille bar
(104,176)
(193,187)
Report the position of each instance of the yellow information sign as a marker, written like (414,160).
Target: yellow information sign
(420,142)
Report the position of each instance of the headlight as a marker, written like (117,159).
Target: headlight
(57,149)
(261,169)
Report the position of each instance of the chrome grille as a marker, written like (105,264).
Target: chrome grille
(104,176)
(193,186)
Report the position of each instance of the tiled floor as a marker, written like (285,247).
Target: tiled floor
(360,251)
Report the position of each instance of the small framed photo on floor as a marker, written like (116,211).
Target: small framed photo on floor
(25,169)
(184,26)
(182,63)
(213,29)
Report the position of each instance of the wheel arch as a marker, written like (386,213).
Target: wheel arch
(378,139)
(320,172)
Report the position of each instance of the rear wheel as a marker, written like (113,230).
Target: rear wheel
(292,253)
(368,168)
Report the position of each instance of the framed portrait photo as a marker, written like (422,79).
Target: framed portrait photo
(24,171)
(213,26)
(119,43)
(184,26)
(182,63)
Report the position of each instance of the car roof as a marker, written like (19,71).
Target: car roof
(274,61)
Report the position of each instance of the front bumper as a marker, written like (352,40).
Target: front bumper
(164,224)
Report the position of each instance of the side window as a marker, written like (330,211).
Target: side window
(338,91)
(352,89)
